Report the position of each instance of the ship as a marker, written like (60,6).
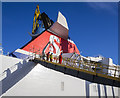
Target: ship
(27,71)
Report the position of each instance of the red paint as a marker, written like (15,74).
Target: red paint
(42,40)
(60,59)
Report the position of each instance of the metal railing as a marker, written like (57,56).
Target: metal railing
(96,68)
(108,71)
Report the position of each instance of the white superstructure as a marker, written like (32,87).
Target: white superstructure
(36,80)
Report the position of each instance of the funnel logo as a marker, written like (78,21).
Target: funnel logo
(52,46)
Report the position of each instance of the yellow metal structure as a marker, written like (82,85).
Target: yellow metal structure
(72,65)
(86,66)
(36,19)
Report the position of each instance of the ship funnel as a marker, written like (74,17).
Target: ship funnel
(60,27)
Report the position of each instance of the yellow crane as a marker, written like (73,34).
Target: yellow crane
(45,20)
(36,19)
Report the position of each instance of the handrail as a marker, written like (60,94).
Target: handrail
(110,71)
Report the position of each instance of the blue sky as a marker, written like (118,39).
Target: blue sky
(92,26)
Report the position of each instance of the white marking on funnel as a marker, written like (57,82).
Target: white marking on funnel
(62,20)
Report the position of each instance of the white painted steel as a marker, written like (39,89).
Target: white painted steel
(42,81)
(62,20)
(7,61)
